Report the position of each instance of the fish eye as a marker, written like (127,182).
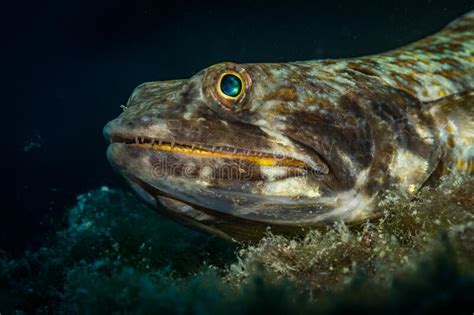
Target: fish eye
(228,85)
(231,85)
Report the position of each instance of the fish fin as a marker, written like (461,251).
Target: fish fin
(454,115)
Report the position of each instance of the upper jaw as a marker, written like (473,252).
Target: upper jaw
(253,142)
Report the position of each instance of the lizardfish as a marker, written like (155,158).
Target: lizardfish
(237,148)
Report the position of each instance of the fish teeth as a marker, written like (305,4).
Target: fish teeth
(142,139)
(160,142)
(193,146)
(152,141)
(136,140)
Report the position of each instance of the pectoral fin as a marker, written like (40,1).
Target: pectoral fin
(454,115)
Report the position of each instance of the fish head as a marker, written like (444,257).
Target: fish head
(239,146)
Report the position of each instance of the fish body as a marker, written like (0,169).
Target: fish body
(239,147)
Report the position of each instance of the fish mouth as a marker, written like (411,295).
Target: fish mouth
(264,159)
(280,184)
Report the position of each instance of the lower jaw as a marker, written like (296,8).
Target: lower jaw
(181,211)
(212,222)
(223,225)
(191,217)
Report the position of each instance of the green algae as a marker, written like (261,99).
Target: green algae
(330,258)
(117,256)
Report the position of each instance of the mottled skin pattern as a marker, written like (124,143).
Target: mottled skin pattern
(307,143)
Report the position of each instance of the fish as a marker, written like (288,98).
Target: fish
(238,149)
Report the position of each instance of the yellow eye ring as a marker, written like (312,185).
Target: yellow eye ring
(228,84)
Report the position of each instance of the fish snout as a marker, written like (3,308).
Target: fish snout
(107,131)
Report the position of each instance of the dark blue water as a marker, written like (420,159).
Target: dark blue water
(71,64)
